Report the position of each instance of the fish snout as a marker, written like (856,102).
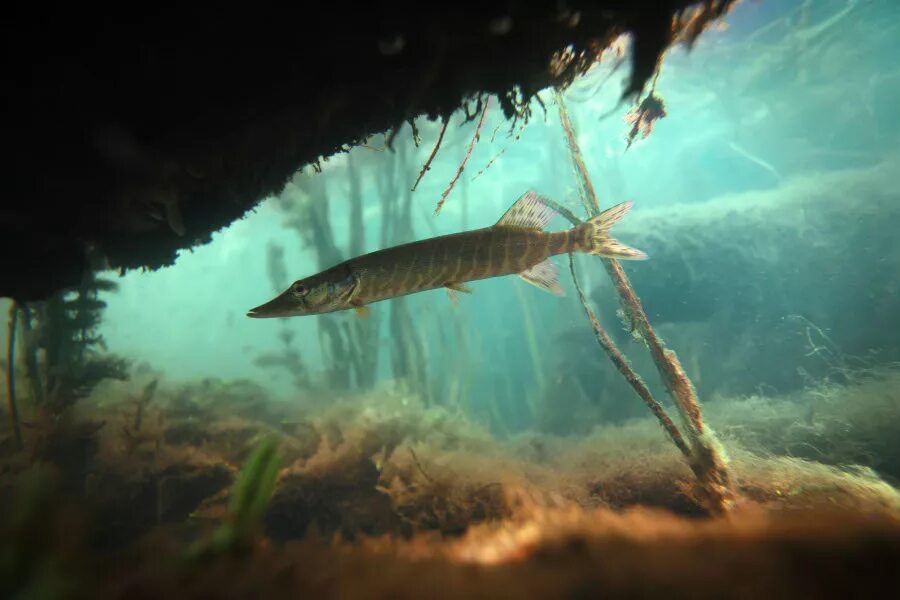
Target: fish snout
(281,306)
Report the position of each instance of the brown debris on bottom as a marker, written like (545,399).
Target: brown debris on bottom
(553,553)
(381,496)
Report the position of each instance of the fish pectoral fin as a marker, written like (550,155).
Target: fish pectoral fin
(545,276)
(530,211)
(362,311)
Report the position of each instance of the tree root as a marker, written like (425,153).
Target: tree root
(434,151)
(465,160)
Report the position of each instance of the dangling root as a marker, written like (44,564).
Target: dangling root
(462,165)
(434,151)
(488,165)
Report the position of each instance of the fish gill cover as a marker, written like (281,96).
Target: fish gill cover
(506,427)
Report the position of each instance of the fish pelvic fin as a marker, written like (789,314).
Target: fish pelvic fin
(452,288)
(530,211)
(545,276)
(600,243)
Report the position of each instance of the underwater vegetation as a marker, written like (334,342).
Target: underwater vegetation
(381,471)
(719,420)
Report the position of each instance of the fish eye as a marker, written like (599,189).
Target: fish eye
(299,289)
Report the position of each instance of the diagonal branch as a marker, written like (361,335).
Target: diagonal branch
(707,458)
(621,363)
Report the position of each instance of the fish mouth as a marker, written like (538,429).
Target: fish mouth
(280,306)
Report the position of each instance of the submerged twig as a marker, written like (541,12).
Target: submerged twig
(622,365)
(502,151)
(564,212)
(434,151)
(462,165)
(756,160)
(11,374)
(496,129)
(415,132)
(488,165)
(707,458)
(419,465)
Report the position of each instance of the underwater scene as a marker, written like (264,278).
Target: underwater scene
(643,346)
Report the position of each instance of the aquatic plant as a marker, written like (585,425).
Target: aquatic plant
(250,496)
(75,360)
(704,453)
(306,203)
(134,432)
(42,545)
(407,344)
(441,470)
(350,350)
(289,357)
(12,405)
(29,351)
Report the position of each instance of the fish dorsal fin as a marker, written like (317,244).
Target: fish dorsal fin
(529,212)
(545,276)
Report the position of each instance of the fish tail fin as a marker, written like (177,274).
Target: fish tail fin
(600,243)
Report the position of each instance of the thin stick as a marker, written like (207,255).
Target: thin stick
(462,165)
(621,363)
(707,458)
(11,374)
(488,166)
(618,359)
(496,129)
(419,465)
(588,196)
(434,151)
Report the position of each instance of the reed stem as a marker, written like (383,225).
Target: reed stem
(11,375)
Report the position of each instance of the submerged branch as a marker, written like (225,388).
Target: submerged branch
(706,458)
(415,458)
(462,165)
(588,195)
(622,365)
(434,152)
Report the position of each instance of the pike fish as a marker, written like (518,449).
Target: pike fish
(516,244)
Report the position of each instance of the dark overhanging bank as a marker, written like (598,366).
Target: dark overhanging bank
(132,137)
